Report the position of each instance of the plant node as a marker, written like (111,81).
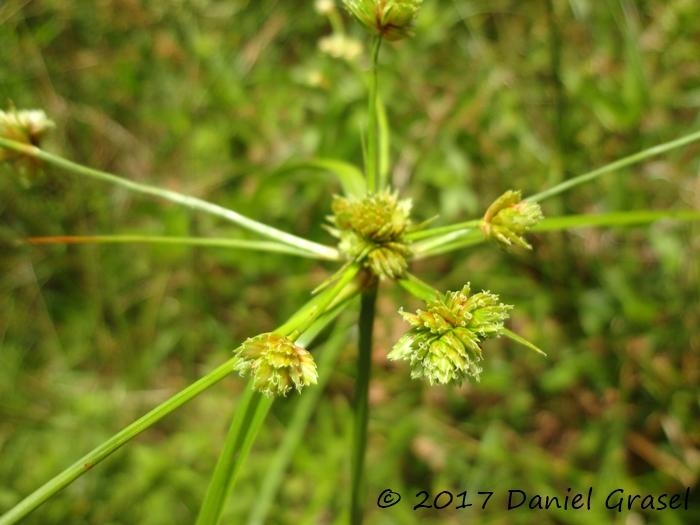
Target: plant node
(371,231)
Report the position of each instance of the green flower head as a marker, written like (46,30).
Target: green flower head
(509,218)
(392,19)
(276,364)
(26,126)
(371,230)
(443,345)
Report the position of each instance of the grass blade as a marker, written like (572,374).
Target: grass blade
(384,139)
(249,417)
(295,430)
(620,218)
(442,230)
(566,222)
(247,420)
(92,458)
(518,339)
(613,166)
(418,288)
(372,162)
(318,305)
(208,242)
(351,179)
(319,250)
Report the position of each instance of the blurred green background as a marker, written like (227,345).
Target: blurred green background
(208,97)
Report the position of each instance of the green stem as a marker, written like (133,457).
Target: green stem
(438,240)
(246,423)
(442,230)
(308,313)
(96,455)
(621,218)
(618,164)
(250,415)
(320,250)
(384,142)
(350,176)
(434,245)
(372,161)
(565,222)
(468,240)
(336,21)
(364,361)
(521,340)
(559,110)
(274,474)
(317,313)
(208,242)
(418,288)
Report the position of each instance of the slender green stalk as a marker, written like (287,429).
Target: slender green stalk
(618,164)
(434,245)
(336,21)
(92,458)
(320,250)
(559,110)
(274,474)
(208,242)
(247,420)
(372,164)
(315,314)
(334,310)
(418,288)
(437,243)
(442,230)
(251,413)
(350,177)
(521,340)
(364,362)
(384,143)
(565,222)
(622,218)
(308,313)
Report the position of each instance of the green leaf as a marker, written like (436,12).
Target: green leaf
(418,288)
(351,178)
(95,456)
(247,421)
(620,218)
(384,143)
(616,165)
(194,203)
(518,339)
(274,475)
(208,242)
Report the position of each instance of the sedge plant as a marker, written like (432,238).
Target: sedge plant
(376,240)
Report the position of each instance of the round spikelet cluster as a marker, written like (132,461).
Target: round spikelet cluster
(392,19)
(509,218)
(276,364)
(371,230)
(27,126)
(443,345)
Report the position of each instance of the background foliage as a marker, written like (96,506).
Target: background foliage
(208,97)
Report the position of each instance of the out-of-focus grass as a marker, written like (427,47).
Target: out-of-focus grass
(208,97)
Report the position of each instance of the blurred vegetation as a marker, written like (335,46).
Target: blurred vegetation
(208,97)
